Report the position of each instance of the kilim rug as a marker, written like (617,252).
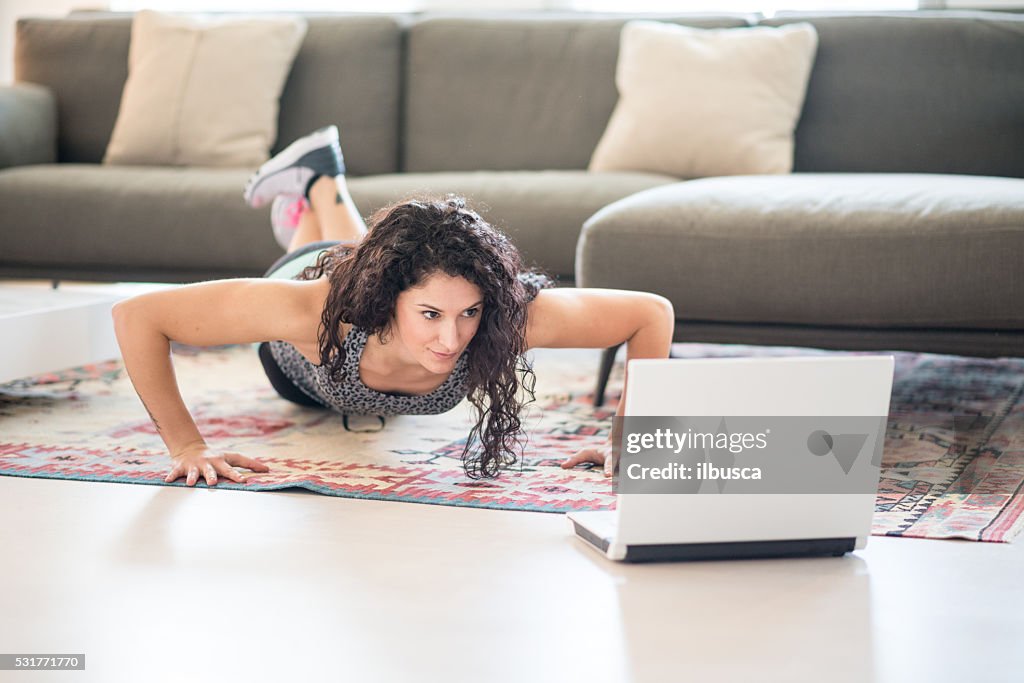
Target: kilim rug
(88,424)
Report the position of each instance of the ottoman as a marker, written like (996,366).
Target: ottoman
(916,262)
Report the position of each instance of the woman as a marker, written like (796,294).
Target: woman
(426,307)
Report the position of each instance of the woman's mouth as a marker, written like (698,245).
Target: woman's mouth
(443,356)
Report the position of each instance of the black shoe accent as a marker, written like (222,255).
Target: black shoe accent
(309,185)
(323,160)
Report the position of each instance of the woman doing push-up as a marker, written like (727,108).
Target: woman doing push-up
(425,307)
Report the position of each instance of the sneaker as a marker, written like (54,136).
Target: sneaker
(284,217)
(290,171)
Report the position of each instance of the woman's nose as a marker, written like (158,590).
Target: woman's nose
(449,338)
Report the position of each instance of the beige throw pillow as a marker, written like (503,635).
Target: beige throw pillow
(203,92)
(707,102)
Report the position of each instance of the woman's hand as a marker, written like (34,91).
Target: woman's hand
(200,460)
(600,456)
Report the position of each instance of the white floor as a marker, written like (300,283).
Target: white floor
(156,583)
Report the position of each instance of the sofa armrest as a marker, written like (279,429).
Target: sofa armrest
(28,125)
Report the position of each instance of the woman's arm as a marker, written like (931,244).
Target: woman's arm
(600,318)
(203,314)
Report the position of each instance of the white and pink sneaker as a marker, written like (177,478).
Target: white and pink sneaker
(285,214)
(290,171)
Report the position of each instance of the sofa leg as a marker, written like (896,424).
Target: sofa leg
(54,284)
(607,361)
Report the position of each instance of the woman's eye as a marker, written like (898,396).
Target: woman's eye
(470,313)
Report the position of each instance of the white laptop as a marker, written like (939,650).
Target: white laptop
(691,526)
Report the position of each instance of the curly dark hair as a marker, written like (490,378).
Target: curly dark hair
(407,243)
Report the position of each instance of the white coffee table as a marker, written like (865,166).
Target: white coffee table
(43,329)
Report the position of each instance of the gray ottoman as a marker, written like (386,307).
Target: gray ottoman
(921,262)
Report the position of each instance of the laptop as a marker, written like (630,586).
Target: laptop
(703,526)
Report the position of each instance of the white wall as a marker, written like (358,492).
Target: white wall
(765,7)
(985,4)
(11,10)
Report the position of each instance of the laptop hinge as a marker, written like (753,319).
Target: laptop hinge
(590,537)
(738,549)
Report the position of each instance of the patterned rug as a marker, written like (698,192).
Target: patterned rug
(87,423)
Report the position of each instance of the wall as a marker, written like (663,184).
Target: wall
(10,10)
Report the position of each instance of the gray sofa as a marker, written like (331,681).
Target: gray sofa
(445,104)
(902,226)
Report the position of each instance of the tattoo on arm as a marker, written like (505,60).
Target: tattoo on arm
(151,417)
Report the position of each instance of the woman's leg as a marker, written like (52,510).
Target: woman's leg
(332,215)
(336,212)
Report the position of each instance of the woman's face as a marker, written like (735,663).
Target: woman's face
(439,316)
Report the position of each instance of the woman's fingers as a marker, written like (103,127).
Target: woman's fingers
(239,460)
(598,456)
(231,473)
(213,469)
(573,461)
(175,472)
(586,455)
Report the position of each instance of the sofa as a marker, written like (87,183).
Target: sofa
(901,226)
(423,103)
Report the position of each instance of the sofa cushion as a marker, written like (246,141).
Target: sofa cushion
(706,102)
(84,62)
(159,221)
(868,250)
(202,91)
(29,131)
(541,211)
(921,92)
(83,59)
(183,224)
(348,72)
(514,93)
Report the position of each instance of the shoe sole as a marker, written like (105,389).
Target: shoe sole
(283,232)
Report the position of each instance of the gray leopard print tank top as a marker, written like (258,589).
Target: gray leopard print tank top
(351,396)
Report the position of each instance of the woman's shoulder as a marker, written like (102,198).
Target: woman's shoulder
(314,299)
(534,282)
